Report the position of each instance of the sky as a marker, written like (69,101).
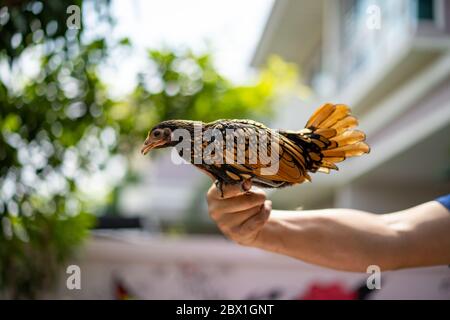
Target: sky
(231,28)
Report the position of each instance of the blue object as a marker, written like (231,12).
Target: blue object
(445,201)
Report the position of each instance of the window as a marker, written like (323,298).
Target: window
(425,9)
(363,48)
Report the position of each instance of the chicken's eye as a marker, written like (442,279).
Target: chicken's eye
(167,132)
(157,133)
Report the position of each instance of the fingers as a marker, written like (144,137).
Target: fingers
(239,215)
(228,221)
(244,227)
(229,190)
(255,222)
(241,202)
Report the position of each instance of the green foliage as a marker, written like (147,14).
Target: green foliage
(47,130)
(52,134)
(34,247)
(29,22)
(182,85)
(24,23)
(60,129)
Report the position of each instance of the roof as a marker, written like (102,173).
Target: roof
(289,20)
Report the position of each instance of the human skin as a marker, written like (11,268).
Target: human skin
(342,239)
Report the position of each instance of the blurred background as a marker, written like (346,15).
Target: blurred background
(81,83)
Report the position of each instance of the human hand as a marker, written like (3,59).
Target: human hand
(239,215)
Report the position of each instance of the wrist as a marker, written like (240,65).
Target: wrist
(268,236)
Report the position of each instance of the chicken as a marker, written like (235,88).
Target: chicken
(232,151)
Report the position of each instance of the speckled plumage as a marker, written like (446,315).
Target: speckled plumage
(328,138)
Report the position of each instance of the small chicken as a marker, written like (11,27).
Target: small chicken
(328,138)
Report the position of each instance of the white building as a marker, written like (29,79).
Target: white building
(390,62)
(397,81)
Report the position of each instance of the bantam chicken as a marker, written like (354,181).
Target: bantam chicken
(328,138)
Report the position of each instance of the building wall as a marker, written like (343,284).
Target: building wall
(400,93)
(139,267)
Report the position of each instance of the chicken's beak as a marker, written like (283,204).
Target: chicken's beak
(149,145)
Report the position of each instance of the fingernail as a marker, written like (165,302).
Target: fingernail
(247,185)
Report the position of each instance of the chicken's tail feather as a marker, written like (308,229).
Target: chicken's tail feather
(333,139)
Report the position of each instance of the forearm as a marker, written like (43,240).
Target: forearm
(337,238)
(342,239)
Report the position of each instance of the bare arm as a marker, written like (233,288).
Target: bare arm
(342,239)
